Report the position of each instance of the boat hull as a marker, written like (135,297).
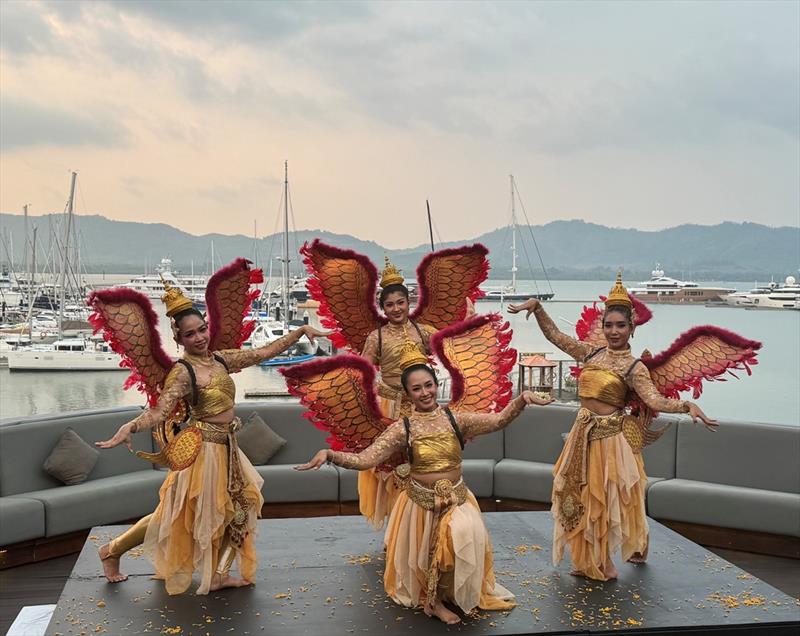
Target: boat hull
(63,361)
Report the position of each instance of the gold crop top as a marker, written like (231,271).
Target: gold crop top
(218,397)
(435,453)
(602,384)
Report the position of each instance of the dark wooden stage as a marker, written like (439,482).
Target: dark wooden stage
(322,575)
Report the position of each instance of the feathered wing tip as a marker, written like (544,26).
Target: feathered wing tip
(700,361)
(425,292)
(301,376)
(641,312)
(589,314)
(218,303)
(504,359)
(320,250)
(103,301)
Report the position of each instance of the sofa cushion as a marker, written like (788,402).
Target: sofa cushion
(282,483)
(478,474)
(659,457)
(761,456)
(258,441)
(348,484)
(26,442)
(21,519)
(71,459)
(99,502)
(536,435)
(725,506)
(303,439)
(519,479)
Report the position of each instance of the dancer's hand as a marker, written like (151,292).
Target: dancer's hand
(122,436)
(311,333)
(318,460)
(529,305)
(696,413)
(531,398)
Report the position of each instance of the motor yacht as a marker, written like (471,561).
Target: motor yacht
(664,289)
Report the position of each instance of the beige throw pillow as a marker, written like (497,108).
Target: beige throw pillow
(258,441)
(71,459)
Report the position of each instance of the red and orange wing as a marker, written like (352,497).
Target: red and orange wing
(589,327)
(340,397)
(446,279)
(344,283)
(702,353)
(476,354)
(228,300)
(130,326)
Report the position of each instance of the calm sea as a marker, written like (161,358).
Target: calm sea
(770,395)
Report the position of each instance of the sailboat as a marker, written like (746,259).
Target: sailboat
(267,329)
(509,292)
(65,354)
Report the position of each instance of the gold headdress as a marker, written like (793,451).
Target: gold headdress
(390,275)
(618,296)
(411,354)
(174,299)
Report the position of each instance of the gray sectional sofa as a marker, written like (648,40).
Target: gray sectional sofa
(744,478)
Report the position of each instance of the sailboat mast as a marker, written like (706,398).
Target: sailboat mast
(513,237)
(25,246)
(31,286)
(285,285)
(65,256)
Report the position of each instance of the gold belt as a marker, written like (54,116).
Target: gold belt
(606,426)
(444,492)
(389,393)
(217,433)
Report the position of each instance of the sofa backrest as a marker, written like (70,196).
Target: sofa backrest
(761,456)
(285,417)
(485,447)
(26,442)
(536,435)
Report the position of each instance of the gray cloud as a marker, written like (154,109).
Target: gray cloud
(24,123)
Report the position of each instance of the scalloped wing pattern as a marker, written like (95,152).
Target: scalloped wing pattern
(477,355)
(446,279)
(344,283)
(702,353)
(228,301)
(340,397)
(129,325)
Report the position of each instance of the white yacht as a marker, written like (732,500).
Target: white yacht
(152,286)
(773,296)
(663,289)
(68,354)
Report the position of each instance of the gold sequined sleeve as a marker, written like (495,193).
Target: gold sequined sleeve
(639,380)
(569,345)
(177,384)
(370,351)
(427,332)
(474,424)
(391,441)
(238,359)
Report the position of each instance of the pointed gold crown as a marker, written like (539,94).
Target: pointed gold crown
(411,354)
(618,296)
(174,299)
(390,275)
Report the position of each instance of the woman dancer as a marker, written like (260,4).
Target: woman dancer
(599,479)
(209,502)
(437,546)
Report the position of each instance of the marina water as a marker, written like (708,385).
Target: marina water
(770,395)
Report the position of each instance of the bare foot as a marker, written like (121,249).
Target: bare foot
(637,557)
(577,573)
(442,613)
(610,571)
(219,582)
(110,566)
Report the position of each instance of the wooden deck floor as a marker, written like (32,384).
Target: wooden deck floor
(42,583)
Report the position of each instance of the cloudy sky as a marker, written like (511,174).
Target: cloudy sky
(641,114)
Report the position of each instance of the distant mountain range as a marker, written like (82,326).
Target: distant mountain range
(569,249)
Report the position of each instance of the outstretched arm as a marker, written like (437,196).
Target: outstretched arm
(474,424)
(237,359)
(569,345)
(391,441)
(176,385)
(640,381)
